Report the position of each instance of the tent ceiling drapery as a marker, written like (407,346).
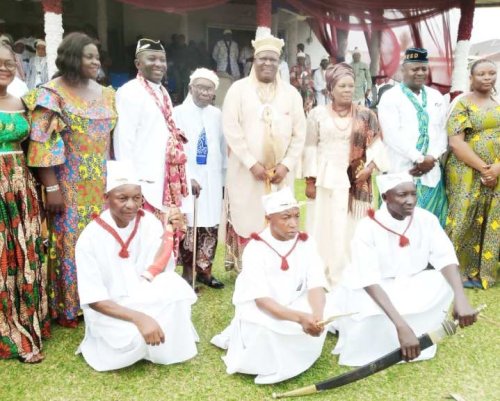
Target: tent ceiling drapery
(175,6)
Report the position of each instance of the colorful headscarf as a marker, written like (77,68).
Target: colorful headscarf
(336,72)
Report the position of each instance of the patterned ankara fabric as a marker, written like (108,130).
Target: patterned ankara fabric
(206,245)
(77,149)
(23,300)
(473,222)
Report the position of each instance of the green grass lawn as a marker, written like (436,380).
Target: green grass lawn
(466,364)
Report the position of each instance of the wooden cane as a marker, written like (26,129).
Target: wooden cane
(195,237)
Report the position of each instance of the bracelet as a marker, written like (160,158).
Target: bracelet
(52,188)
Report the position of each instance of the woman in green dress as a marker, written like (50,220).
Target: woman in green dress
(472,172)
(23,301)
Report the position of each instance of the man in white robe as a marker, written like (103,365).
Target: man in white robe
(142,132)
(320,90)
(264,126)
(279,300)
(388,282)
(412,117)
(225,54)
(206,152)
(127,317)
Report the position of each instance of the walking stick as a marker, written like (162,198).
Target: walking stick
(195,229)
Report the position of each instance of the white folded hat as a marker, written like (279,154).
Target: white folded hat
(279,201)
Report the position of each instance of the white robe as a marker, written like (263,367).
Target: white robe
(112,343)
(141,136)
(219,54)
(192,119)
(320,85)
(421,296)
(257,343)
(399,123)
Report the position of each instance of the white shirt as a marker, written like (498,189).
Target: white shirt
(192,119)
(17,87)
(398,120)
(141,136)
(376,254)
(320,85)
(220,55)
(102,274)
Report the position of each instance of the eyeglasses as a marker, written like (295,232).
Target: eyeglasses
(8,64)
(206,89)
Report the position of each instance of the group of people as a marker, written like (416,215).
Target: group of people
(116,228)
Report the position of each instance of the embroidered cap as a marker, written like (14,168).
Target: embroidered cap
(206,74)
(386,182)
(149,44)
(279,201)
(120,173)
(415,55)
(268,43)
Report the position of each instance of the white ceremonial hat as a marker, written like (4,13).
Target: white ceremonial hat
(120,173)
(279,201)
(265,41)
(386,182)
(206,74)
(301,55)
(227,31)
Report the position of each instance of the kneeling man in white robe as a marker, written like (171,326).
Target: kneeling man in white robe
(280,299)
(129,314)
(390,283)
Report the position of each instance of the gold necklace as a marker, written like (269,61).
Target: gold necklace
(347,111)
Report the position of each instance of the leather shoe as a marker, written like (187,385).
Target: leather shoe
(210,281)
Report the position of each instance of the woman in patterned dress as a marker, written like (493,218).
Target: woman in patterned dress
(472,178)
(72,118)
(23,300)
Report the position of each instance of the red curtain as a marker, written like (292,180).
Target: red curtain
(175,6)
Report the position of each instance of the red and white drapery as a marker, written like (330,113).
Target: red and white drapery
(52,10)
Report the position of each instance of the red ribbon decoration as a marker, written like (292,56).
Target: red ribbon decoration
(284,263)
(124,251)
(403,239)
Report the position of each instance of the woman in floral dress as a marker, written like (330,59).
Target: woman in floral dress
(72,118)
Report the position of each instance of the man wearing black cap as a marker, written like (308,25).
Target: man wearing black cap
(412,116)
(146,134)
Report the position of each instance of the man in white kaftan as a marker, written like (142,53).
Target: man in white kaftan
(206,153)
(264,126)
(127,317)
(142,133)
(275,333)
(225,54)
(319,80)
(388,281)
(412,117)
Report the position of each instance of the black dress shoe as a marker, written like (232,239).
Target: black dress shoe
(210,281)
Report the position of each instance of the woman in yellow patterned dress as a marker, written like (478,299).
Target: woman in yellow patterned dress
(472,174)
(72,118)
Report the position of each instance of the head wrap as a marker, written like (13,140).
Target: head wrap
(120,173)
(6,39)
(386,182)
(279,201)
(206,74)
(415,55)
(149,44)
(336,72)
(327,58)
(268,42)
(40,42)
(356,51)
(301,55)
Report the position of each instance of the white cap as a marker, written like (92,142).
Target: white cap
(206,74)
(386,182)
(40,42)
(301,55)
(120,173)
(279,201)
(226,31)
